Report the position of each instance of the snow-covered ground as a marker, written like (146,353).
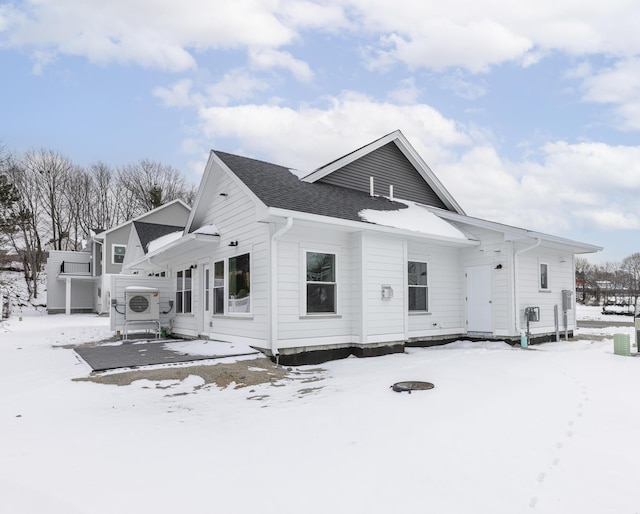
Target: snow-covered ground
(552,429)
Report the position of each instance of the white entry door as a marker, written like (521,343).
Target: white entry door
(479,299)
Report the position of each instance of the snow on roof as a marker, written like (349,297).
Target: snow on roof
(158,243)
(416,218)
(211,230)
(299,173)
(141,289)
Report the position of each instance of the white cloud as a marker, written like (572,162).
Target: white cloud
(178,95)
(586,185)
(406,92)
(618,85)
(235,85)
(473,35)
(266,58)
(307,137)
(442,44)
(145,32)
(476,35)
(463,87)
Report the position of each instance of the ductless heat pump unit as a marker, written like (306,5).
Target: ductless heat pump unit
(143,304)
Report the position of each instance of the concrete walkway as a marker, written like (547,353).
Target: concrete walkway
(131,354)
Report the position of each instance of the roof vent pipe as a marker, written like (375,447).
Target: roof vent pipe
(371,191)
(391,191)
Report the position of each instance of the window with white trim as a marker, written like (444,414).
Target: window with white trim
(239,284)
(207,289)
(321,283)
(183,291)
(418,282)
(117,254)
(218,287)
(544,276)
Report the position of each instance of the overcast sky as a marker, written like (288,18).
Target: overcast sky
(528,112)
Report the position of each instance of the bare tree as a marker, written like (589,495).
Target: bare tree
(51,173)
(583,271)
(631,265)
(153,184)
(28,215)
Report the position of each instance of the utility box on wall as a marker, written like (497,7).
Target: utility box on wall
(566,299)
(532,313)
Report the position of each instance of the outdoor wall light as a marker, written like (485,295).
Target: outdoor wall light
(499,266)
(233,243)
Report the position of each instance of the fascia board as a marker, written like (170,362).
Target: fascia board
(426,173)
(168,252)
(206,177)
(512,233)
(208,185)
(316,175)
(274,212)
(142,216)
(408,151)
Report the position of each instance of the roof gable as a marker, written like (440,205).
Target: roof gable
(145,215)
(148,232)
(391,161)
(276,186)
(388,167)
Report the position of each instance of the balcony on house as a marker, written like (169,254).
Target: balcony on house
(75,268)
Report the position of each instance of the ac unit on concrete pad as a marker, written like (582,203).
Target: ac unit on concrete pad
(142,304)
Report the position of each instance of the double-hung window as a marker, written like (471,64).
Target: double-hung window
(239,284)
(117,255)
(183,291)
(218,287)
(418,286)
(321,283)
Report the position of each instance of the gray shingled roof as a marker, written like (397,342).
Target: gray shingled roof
(148,232)
(277,187)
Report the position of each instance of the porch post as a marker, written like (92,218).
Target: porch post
(67,296)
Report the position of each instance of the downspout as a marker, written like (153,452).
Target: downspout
(516,288)
(274,289)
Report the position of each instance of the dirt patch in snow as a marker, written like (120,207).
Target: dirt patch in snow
(242,373)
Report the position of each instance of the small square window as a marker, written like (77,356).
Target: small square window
(118,254)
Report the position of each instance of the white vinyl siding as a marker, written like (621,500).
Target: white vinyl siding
(296,327)
(235,216)
(446,314)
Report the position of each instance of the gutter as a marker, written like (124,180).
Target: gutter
(516,289)
(274,282)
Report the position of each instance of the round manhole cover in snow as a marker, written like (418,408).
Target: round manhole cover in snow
(411,385)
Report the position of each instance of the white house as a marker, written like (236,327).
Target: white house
(363,256)
(81,281)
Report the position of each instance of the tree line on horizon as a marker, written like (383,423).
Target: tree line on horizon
(47,202)
(608,283)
